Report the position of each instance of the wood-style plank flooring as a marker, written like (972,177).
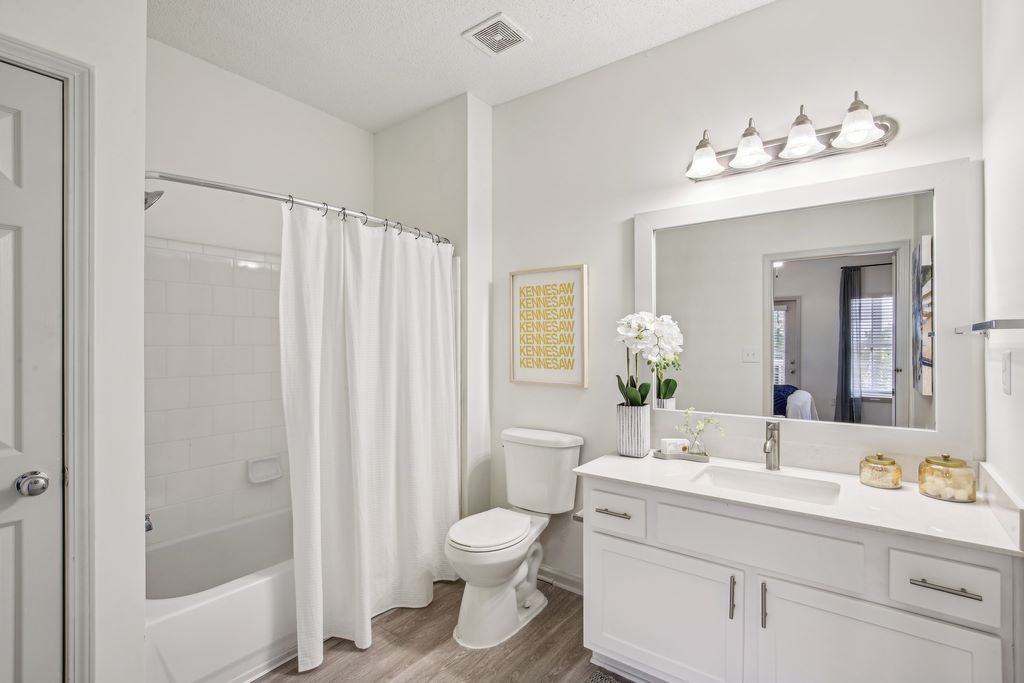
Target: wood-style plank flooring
(417,645)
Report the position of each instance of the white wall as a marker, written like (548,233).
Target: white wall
(575,162)
(207,122)
(213,387)
(710,277)
(1003,55)
(110,36)
(434,171)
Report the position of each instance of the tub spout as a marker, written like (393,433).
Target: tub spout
(149,523)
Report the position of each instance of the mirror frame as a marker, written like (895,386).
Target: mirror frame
(957,231)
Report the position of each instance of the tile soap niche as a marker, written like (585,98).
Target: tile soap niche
(262,470)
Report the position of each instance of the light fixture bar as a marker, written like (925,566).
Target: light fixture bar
(825,135)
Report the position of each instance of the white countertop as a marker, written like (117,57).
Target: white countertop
(902,510)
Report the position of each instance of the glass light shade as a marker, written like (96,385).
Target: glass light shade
(803,139)
(859,127)
(705,161)
(750,152)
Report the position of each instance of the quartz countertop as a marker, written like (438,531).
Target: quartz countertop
(903,511)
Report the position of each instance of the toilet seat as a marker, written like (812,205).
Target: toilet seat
(494,529)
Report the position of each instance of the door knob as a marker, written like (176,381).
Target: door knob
(32,483)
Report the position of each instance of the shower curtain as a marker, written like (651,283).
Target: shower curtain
(369,381)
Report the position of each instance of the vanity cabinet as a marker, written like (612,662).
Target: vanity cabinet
(681,614)
(680,588)
(810,635)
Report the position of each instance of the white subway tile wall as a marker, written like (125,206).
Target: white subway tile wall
(213,386)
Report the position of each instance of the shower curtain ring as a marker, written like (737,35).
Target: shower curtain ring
(291,202)
(419,233)
(363,219)
(401,229)
(342,214)
(326,209)
(433,237)
(386,221)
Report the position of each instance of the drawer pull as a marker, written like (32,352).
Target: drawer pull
(961,592)
(620,515)
(732,596)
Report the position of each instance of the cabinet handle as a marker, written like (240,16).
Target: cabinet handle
(620,515)
(961,592)
(764,605)
(732,596)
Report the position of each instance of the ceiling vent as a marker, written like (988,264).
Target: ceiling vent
(496,34)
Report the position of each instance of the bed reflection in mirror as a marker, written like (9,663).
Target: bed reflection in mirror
(815,314)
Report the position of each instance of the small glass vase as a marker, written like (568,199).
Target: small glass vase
(697,445)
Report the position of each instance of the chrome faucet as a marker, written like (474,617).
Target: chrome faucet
(772,445)
(149,523)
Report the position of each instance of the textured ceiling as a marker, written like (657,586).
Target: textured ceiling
(376,62)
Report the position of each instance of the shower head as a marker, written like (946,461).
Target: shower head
(151,198)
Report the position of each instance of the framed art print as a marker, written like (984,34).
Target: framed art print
(548,310)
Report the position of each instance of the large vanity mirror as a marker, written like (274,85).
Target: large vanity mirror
(822,313)
(830,306)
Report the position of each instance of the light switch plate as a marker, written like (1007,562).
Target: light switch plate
(751,355)
(1007,372)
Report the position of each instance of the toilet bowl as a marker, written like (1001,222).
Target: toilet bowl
(497,553)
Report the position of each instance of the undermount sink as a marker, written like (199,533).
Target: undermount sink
(770,484)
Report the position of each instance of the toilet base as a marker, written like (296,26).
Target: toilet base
(491,636)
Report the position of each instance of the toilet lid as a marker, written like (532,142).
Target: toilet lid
(494,529)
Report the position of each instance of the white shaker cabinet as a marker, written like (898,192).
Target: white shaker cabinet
(680,588)
(681,614)
(811,636)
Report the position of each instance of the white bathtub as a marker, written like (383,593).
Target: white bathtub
(221,605)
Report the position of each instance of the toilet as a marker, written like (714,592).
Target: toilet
(497,552)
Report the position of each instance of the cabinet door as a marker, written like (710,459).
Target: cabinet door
(810,636)
(676,614)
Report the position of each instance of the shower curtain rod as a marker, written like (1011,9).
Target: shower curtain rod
(291,201)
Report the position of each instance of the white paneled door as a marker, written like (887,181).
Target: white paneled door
(31,383)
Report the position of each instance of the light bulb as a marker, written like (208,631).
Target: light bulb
(859,126)
(803,139)
(750,152)
(705,161)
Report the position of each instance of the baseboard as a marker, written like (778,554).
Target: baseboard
(266,668)
(565,581)
(623,670)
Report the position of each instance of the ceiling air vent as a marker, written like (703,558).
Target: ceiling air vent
(496,34)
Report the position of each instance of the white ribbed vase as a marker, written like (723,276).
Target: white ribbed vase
(665,403)
(634,430)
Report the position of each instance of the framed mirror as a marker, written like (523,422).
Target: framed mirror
(831,306)
(835,285)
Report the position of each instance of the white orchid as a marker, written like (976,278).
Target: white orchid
(657,339)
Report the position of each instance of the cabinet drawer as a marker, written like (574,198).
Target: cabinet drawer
(618,514)
(963,591)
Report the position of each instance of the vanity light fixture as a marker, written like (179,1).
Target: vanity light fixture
(705,162)
(750,152)
(859,131)
(859,126)
(803,139)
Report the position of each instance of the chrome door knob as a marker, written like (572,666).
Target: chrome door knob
(32,483)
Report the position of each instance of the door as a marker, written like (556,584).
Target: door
(680,615)
(31,385)
(786,342)
(809,636)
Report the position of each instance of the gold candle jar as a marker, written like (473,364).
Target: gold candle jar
(880,471)
(947,478)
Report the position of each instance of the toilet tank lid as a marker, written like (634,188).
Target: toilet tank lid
(540,437)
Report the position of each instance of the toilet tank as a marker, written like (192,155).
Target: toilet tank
(539,469)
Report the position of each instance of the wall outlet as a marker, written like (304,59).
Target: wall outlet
(1007,372)
(751,355)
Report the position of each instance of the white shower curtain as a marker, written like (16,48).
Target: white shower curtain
(369,379)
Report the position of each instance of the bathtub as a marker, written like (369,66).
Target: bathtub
(220,606)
